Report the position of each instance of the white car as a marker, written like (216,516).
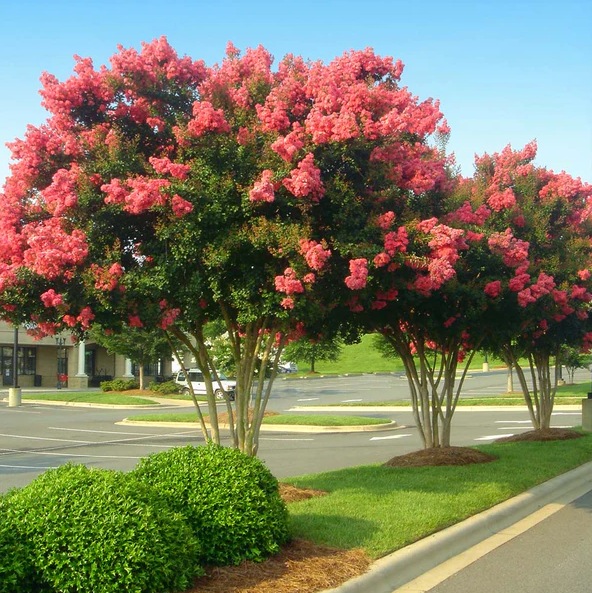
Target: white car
(287,367)
(199,385)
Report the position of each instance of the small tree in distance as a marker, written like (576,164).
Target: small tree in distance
(310,351)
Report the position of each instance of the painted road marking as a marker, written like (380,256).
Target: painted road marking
(394,436)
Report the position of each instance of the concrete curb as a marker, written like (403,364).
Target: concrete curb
(402,566)
(277,427)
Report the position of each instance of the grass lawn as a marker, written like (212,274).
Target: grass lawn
(364,358)
(291,419)
(382,509)
(90,397)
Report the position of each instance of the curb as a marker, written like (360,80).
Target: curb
(406,564)
(277,427)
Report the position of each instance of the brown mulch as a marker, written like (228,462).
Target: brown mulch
(301,567)
(440,456)
(544,434)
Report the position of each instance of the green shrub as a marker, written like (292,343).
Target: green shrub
(165,388)
(230,500)
(17,572)
(101,531)
(119,385)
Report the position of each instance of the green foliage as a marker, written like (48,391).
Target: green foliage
(17,572)
(311,351)
(230,500)
(119,385)
(83,530)
(166,388)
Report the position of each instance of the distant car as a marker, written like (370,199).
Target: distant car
(287,367)
(199,385)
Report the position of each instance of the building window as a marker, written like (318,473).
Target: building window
(27,361)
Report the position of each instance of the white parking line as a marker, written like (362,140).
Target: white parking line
(394,436)
(347,401)
(308,399)
(61,454)
(493,437)
(513,422)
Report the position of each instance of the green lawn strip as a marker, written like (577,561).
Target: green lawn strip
(383,509)
(90,397)
(322,420)
(291,419)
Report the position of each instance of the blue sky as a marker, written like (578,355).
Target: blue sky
(505,71)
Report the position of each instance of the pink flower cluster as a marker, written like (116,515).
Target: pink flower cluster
(62,194)
(513,251)
(396,241)
(288,283)
(305,180)
(314,253)
(168,316)
(51,298)
(502,200)
(52,251)
(107,279)
(165,166)
(206,119)
(358,274)
(263,190)
(288,146)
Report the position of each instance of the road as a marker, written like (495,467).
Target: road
(552,556)
(35,437)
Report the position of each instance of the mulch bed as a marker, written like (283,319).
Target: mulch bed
(440,456)
(545,434)
(301,567)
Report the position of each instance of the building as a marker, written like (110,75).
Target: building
(58,362)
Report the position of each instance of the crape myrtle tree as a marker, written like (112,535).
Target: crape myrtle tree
(540,227)
(423,293)
(161,192)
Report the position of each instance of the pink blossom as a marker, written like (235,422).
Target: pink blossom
(382,259)
(309,278)
(579,293)
(358,274)
(315,254)
(525,297)
(502,200)
(518,283)
(493,289)
(263,190)
(378,304)
(206,119)
(384,221)
(287,146)
(287,303)
(62,193)
(288,283)
(180,206)
(514,251)
(85,317)
(166,166)
(305,180)
(396,241)
(51,298)
(134,321)
(168,317)
(584,274)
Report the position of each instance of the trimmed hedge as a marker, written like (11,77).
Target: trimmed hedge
(166,388)
(119,385)
(80,530)
(230,500)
